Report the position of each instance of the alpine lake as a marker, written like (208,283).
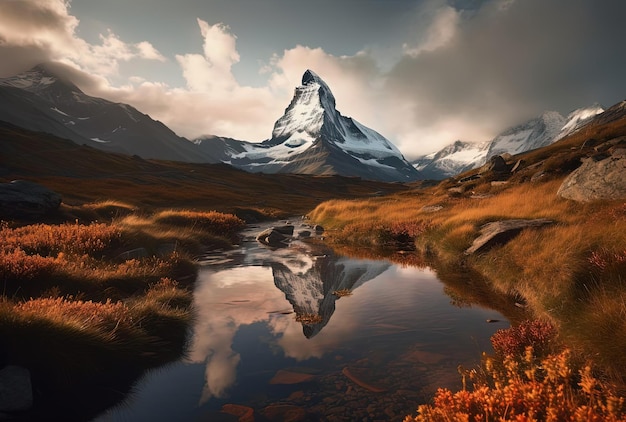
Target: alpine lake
(301,333)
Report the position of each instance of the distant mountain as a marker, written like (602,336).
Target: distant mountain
(451,160)
(536,133)
(533,134)
(579,118)
(312,137)
(41,100)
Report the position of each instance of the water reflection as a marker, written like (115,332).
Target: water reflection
(397,329)
(227,299)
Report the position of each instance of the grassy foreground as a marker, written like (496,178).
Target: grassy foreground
(87,307)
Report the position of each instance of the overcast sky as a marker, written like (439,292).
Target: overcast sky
(424,73)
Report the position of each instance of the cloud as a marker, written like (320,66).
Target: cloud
(508,62)
(36,31)
(462,73)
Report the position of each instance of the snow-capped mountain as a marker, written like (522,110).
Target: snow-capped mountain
(579,118)
(453,159)
(41,100)
(312,137)
(536,133)
(533,134)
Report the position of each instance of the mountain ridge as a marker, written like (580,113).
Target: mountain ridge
(535,133)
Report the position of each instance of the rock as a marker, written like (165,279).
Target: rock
(16,392)
(276,237)
(495,164)
(318,229)
(597,179)
(517,166)
(291,377)
(21,198)
(360,377)
(244,413)
(500,232)
(287,229)
(499,182)
(286,413)
(304,234)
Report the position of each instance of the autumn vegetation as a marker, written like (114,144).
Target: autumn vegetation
(569,275)
(102,298)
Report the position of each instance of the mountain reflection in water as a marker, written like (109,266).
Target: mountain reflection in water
(397,330)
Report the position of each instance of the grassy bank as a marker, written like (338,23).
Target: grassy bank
(88,306)
(570,274)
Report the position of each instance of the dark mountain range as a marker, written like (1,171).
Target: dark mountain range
(41,100)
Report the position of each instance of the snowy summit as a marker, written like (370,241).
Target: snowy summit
(312,137)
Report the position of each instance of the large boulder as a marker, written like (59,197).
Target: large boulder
(276,237)
(601,177)
(23,199)
(499,232)
(496,164)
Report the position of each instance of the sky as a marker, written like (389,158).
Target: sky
(423,73)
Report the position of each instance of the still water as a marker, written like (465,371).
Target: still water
(272,335)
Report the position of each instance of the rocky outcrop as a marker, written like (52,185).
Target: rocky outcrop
(23,199)
(499,232)
(600,177)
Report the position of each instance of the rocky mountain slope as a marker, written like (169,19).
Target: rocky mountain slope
(41,100)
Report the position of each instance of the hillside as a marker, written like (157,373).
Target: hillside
(82,174)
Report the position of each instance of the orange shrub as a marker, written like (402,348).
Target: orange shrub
(521,390)
(513,341)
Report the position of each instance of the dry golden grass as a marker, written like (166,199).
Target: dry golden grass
(569,272)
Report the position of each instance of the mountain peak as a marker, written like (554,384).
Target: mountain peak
(40,78)
(310,76)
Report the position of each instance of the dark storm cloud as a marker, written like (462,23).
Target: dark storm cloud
(512,60)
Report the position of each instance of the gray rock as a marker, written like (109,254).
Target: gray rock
(495,164)
(500,232)
(597,179)
(16,392)
(304,234)
(287,229)
(21,198)
(274,238)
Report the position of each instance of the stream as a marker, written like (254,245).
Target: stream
(273,336)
